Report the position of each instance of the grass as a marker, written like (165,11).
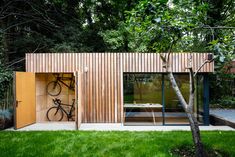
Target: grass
(107,144)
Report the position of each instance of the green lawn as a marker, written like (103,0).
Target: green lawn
(107,144)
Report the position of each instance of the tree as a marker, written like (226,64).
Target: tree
(222,42)
(163,26)
(54,26)
(57,26)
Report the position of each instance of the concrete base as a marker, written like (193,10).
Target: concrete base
(223,117)
(120,127)
(46,126)
(113,127)
(226,114)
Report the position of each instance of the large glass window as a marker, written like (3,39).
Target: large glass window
(150,99)
(199,109)
(174,112)
(142,88)
(142,99)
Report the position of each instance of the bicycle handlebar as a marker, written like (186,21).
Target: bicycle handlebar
(56,101)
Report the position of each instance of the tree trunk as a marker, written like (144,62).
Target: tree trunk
(188,108)
(196,135)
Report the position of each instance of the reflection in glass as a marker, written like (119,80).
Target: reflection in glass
(143,95)
(174,112)
(199,99)
(143,102)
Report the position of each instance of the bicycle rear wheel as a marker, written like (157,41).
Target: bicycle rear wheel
(53,88)
(55,114)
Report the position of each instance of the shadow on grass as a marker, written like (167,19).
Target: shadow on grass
(186,150)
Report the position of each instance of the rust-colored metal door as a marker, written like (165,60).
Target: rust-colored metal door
(25,105)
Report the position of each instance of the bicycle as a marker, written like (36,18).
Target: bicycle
(56,113)
(54,88)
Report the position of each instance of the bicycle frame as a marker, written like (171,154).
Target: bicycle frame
(69,86)
(61,78)
(68,114)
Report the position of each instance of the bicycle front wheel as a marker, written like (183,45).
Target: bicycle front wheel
(55,114)
(53,88)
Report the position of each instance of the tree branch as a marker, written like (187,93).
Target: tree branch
(17,24)
(205,62)
(46,18)
(170,48)
(175,87)
(212,31)
(192,90)
(22,59)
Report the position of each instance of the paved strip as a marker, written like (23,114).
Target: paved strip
(120,127)
(113,127)
(227,114)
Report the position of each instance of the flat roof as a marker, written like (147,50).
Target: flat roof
(124,62)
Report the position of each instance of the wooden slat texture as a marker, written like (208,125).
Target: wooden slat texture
(102,76)
(79,99)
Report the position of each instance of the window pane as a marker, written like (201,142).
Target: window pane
(146,89)
(174,112)
(199,99)
(143,89)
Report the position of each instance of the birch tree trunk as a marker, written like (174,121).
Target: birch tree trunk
(188,107)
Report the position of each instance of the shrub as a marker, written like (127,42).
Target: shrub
(6,118)
(6,93)
(224,102)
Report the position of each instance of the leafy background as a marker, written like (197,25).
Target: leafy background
(42,26)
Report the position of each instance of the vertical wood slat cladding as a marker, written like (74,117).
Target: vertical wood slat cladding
(102,76)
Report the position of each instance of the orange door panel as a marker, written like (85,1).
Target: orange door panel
(25,107)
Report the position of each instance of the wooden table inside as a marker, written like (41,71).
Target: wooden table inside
(146,105)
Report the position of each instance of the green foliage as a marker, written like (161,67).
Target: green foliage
(114,25)
(222,83)
(163,23)
(222,43)
(123,40)
(5,90)
(224,48)
(58,26)
(5,77)
(115,39)
(227,102)
(221,87)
